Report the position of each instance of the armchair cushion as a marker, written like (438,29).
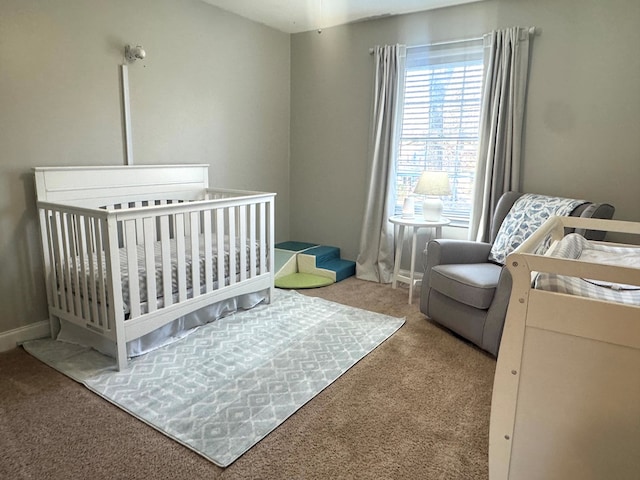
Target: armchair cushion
(471,284)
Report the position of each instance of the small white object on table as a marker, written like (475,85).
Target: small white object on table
(414,224)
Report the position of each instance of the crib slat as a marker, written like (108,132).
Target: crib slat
(165,249)
(66,261)
(74,307)
(139,229)
(232,245)
(90,225)
(187,224)
(269,247)
(42,214)
(75,268)
(263,236)
(148,224)
(220,246)
(57,230)
(208,249)
(51,241)
(243,241)
(195,254)
(252,240)
(102,274)
(84,267)
(132,267)
(180,258)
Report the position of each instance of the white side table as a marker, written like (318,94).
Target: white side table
(414,224)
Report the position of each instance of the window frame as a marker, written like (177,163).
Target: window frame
(464,58)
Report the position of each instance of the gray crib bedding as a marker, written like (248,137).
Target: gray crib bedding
(574,246)
(142,270)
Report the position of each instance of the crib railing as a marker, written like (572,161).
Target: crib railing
(148,260)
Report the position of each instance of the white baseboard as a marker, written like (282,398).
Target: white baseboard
(13,338)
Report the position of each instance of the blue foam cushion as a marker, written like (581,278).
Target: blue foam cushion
(295,246)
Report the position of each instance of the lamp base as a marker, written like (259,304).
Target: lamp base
(432,209)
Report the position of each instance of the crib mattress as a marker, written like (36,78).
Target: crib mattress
(574,246)
(142,271)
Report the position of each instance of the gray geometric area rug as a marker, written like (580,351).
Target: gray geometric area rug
(223,388)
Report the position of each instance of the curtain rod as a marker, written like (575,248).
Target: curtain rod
(532,31)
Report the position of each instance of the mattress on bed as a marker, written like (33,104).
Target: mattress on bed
(575,246)
(142,271)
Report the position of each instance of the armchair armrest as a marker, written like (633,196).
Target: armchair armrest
(447,251)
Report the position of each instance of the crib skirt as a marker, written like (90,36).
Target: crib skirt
(169,333)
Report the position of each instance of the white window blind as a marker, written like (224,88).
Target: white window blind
(440,121)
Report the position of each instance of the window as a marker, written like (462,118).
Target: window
(440,122)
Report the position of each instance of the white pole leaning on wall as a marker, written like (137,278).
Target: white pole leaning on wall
(131,54)
(126,106)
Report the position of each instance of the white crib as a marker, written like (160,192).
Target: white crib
(106,231)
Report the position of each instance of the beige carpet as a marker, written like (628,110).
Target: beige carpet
(416,407)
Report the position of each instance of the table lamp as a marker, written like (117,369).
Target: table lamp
(433,185)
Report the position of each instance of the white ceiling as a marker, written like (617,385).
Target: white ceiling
(293,16)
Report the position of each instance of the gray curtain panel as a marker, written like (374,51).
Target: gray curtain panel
(375,259)
(506,65)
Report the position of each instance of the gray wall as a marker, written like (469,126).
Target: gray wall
(213,89)
(582,122)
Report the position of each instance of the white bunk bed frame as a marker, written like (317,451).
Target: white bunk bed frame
(566,397)
(94,212)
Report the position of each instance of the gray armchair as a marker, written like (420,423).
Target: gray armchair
(466,292)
